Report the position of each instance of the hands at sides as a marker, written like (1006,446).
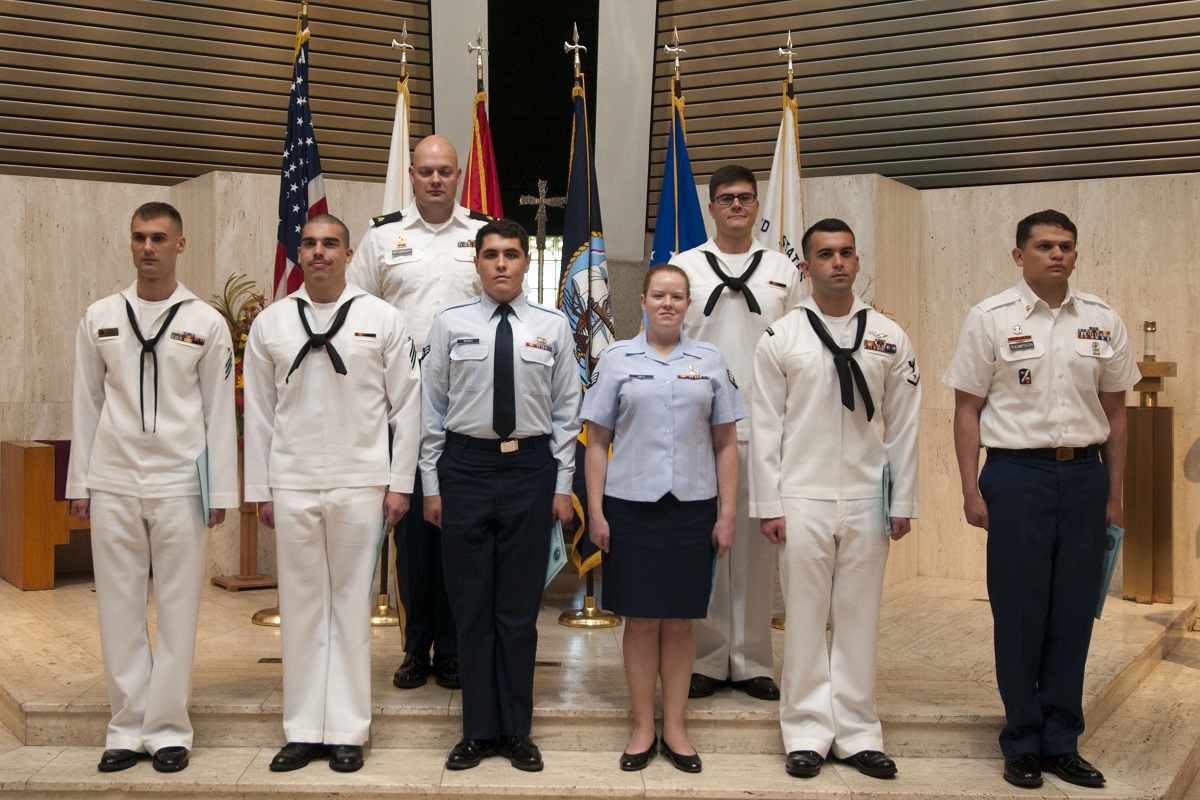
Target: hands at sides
(266,514)
(723,534)
(774,528)
(900,526)
(395,506)
(433,510)
(81,509)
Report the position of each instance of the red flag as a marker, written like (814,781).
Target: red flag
(481,186)
(301,187)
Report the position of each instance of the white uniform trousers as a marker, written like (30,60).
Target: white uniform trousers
(734,640)
(148,692)
(327,543)
(831,566)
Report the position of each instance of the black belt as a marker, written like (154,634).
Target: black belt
(498,445)
(1092,451)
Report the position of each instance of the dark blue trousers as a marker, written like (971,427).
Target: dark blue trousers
(428,620)
(1045,551)
(496,519)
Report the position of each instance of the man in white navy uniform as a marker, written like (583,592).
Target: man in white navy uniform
(328,369)
(499,416)
(1039,376)
(421,259)
(837,402)
(739,288)
(153,392)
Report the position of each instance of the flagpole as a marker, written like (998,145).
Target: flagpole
(590,616)
(542,202)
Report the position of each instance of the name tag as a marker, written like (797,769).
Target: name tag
(641,377)
(1018,343)
(466,341)
(402,251)
(107,333)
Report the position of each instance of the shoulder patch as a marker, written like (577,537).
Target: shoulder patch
(770,331)
(729,372)
(479,215)
(395,216)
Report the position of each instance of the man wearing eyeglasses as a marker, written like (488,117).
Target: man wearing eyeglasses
(738,289)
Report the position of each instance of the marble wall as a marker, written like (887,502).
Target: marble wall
(926,258)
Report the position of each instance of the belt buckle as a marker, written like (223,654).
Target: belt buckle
(509,446)
(1064,454)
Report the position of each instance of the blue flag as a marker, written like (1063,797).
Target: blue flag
(583,284)
(679,225)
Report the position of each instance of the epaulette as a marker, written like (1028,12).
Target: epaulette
(479,215)
(998,300)
(395,216)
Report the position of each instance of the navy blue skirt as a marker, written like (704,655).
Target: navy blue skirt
(660,559)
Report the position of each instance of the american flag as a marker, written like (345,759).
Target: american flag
(301,188)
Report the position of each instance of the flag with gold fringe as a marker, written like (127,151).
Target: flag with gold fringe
(481,184)
(583,292)
(781,224)
(301,187)
(679,225)
(397,188)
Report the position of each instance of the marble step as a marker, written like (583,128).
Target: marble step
(936,686)
(69,773)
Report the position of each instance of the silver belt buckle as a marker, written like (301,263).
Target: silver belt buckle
(509,446)
(1064,454)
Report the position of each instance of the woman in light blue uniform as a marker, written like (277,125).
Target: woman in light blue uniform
(663,509)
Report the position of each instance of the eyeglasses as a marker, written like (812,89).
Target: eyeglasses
(745,198)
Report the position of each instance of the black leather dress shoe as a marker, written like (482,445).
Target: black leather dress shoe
(761,688)
(872,763)
(522,753)
(445,671)
(295,755)
(704,686)
(170,759)
(1023,770)
(632,762)
(345,757)
(685,763)
(469,752)
(118,759)
(803,763)
(412,673)
(1072,768)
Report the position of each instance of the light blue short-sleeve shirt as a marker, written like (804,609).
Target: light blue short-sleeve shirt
(661,412)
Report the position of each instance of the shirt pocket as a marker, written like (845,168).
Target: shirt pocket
(1024,369)
(536,366)
(1091,359)
(470,370)
(403,272)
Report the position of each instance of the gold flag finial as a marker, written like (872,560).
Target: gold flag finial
(674,49)
(790,53)
(575,48)
(478,49)
(403,46)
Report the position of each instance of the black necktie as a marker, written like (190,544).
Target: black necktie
(504,393)
(843,360)
(318,340)
(148,346)
(736,284)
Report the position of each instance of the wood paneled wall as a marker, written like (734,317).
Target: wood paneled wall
(939,93)
(154,91)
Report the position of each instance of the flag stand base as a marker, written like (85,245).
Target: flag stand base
(383,615)
(590,616)
(268,617)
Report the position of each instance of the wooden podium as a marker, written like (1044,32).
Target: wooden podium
(32,522)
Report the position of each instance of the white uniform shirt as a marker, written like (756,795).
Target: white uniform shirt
(804,443)
(417,267)
(457,376)
(109,449)
(321,430)
(1040,372)
(732,327)
(661,412)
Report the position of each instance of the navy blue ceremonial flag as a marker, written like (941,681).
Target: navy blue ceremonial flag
(583,294)
(301,187)
(679,225)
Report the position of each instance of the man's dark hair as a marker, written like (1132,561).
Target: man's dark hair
(1048,217)
(730,173)
(830,225)
(505,229)
(330,219)
(149,211)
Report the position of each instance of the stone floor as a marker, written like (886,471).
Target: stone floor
(936,694)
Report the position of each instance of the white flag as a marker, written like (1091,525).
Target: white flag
(397,191)
(782,222)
